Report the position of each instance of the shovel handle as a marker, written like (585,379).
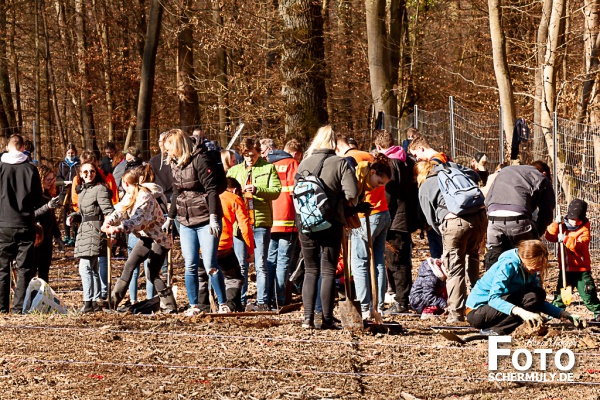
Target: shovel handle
(562,257)
(374,296)
(109,270)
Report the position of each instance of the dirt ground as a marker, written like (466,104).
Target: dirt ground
(105,355)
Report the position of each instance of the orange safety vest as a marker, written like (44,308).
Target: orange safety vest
(283,207)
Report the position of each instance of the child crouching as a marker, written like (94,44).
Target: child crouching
(576,240)
(428,294)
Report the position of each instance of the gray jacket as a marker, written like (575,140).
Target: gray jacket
(94,204)
(522,189)
(431,199)
(337,176)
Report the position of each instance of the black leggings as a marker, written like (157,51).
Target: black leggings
(146,248)
(321,251)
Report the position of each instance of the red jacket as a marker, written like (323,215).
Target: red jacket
(283,207)
(577,244)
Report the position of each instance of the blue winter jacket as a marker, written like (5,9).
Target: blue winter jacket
(507,275)
(424,291)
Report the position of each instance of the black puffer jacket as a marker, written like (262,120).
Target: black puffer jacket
(94,204)
(66,172)
(402,194)
(195,194)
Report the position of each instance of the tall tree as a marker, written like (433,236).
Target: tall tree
(382,87)
(144,108)
(189,109)
(503,79)
(5,89)
(302,68)
(87,113)
(591,52)
(101,20)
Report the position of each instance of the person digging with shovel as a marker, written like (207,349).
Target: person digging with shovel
(139,213)
(573,234)
(511,293)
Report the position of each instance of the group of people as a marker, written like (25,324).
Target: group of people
(231,208)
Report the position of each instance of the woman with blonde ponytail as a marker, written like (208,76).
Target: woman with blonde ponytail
(139,213)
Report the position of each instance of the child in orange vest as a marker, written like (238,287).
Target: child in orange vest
(576,239)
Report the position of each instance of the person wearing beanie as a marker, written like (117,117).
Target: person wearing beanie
(428,294)
(576,238)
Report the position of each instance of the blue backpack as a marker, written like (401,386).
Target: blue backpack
(461,194)
(312,206)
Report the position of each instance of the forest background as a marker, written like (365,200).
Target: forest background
(94,71)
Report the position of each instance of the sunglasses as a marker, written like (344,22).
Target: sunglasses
(91,172)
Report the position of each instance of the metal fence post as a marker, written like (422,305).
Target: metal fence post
(501,124)
(416,117)
(452,144)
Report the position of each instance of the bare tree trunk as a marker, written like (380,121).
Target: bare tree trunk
(542,37)
(549,104)
(5,89)
(144,108)
(189,109)
(52,82)
(139,41)
(16,68)
(379,59)
(344,21)
(87,114)
(302,68)
(36,137)
(395,30)
(591,42)
(102,32)
(503,79)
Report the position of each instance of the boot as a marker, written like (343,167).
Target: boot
(118,293)
(87,307)
(167,301)
(96,306)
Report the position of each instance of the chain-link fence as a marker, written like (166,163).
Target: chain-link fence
(460,133)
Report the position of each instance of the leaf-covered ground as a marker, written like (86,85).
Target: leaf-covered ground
(107,356)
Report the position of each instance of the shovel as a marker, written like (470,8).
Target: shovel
(376,316)
(109,270)
(349,309)
(566,293)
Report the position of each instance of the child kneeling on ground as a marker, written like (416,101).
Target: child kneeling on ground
(511,292)
(428,294)
(139,213)
(576,240)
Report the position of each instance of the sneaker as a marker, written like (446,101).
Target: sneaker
(330,326)
(390,298)
(308,324)
(318,320)
(396,308)
(488,332)
(224,309)
(257,307)
(190,312)
(367,315)
(427,315)
(454,317)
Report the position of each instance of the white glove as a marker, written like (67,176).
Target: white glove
(69,220)
(214,227)
(561,237)
(166,228)
(558,219)
(533,319)
(67,182)
(54,203)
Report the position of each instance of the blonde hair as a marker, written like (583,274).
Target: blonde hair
(535,254)
(135,177)
(421,170)
(183,147)
(324,139)
(228,159)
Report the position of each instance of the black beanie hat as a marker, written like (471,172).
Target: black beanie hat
(577,210)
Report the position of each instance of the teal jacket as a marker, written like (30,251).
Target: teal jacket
(268,188)
(507,275)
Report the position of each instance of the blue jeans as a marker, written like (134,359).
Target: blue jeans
(241,252)
(193,239)
(262,237)
(103,266)
(380,224)
(88,269)
(133,285)
(436,248)
(318,304)
(281,249)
